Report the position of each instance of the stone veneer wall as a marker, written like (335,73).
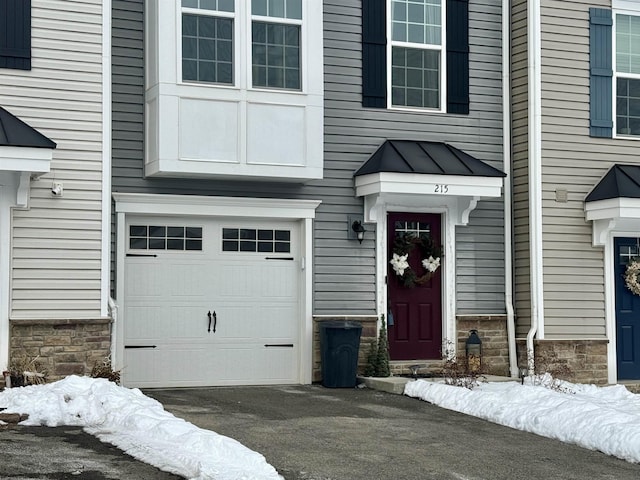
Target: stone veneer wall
(586,360)
(62,347)
(492,330)
(369,333)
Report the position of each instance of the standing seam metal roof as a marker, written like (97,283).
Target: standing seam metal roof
(435,158)
(16,133)
(621,181)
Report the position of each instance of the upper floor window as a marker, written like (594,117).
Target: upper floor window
(207,41)
(416,53)
(275,43)
(627,74)
(210,52)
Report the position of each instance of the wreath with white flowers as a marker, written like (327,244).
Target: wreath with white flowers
(429,253)
(631,276)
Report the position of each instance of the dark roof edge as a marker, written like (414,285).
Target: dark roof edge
(16,133)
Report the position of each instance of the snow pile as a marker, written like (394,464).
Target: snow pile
(598,418)
(138,425)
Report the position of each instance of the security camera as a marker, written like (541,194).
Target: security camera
(56,190)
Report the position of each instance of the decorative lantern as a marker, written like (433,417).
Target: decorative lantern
(473,349)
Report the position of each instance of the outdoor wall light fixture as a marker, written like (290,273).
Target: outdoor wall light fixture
(358,229)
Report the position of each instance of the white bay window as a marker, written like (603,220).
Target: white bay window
(234,89)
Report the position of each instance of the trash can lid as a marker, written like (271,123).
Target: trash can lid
(339,324)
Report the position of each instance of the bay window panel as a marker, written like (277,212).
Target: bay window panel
(207,49)
(276,55)
(214,5)
(277,8)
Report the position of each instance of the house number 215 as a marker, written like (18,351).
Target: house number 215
(442,188)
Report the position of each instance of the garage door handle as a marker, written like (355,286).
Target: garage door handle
(140,346)
(279,258)
(289,345)
(215,321)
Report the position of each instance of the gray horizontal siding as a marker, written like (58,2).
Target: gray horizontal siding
(520,174)
(574,290)
(344,281)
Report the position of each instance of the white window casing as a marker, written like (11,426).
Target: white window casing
(429,43)
(626,69)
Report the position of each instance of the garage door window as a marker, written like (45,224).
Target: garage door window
(256,240)
(163,237)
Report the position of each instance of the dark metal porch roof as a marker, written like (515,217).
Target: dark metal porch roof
(621,181)
(435,158)
(16,133)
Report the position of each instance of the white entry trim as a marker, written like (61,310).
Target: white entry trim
(613,217)
(400,192)
(191,205)
(18,165)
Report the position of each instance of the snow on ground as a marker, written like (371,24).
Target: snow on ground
(139,426)
(598,418)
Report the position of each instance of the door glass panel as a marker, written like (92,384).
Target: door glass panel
(626,253)
(412,228)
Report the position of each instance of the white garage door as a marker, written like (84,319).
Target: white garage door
(211,302)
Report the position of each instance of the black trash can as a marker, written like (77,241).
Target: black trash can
(339,345)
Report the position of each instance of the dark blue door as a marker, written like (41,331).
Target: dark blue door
(627,312)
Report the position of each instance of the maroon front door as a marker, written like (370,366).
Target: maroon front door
(415,311)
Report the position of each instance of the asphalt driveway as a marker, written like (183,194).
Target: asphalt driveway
(315,433)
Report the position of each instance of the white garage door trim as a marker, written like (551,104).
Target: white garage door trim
(221,207)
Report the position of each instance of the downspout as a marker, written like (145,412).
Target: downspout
(535,179)
(113,311)
(107,305)
(105,267)
(506,148)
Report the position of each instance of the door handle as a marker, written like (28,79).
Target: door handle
(214,317)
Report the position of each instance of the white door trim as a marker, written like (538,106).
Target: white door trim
(392,192)
(191,205)
(5,245)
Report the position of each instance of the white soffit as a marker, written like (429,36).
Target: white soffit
(457,193)
(25,159)
(425,184)
(612,214)
(190,205)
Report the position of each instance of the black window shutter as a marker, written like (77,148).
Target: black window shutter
(15,34)
(374,53)
(457,56)
(601,73)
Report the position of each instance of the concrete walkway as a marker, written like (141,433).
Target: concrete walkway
(311,432)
